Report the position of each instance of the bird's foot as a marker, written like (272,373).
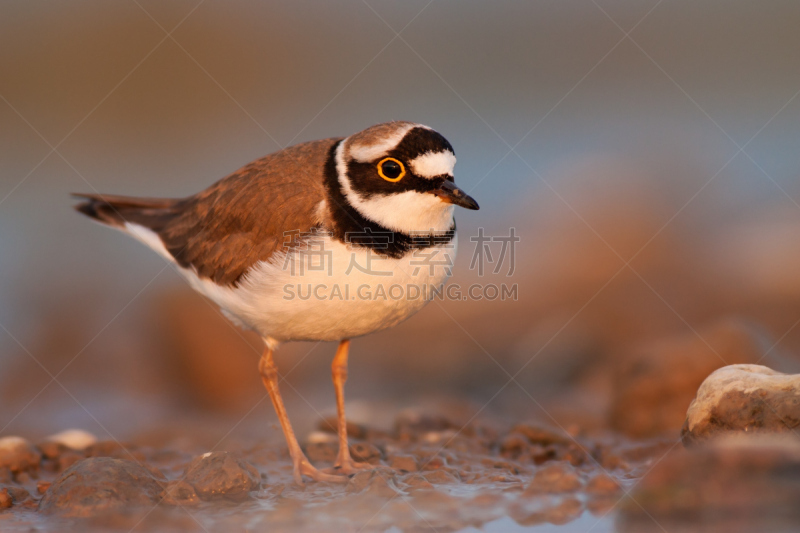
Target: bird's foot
(304,468)
(348,467)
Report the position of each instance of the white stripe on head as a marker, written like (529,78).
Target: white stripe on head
(406,212)
(366,153)
(433,164)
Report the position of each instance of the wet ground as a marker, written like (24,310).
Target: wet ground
(430,475)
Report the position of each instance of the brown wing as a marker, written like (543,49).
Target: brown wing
(242,219)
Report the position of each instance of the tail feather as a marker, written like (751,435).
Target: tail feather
(116,211)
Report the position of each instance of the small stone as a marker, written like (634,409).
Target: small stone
(19,494)
(574,454)
(18,454)
(603,485)
(541,454)
(555,479)
(22,478)
(365,452)
(5,499)
(51,450)
(417,482)
(433,462)
(74,439)
(440,476)
(404,463)
(514,444)
(542,435)
(102,484)
(359,481)
(609,459)
(382,488)
(216,475)
(446,436)
(321,437)
(5,475)
(411,426)
(180,492)
(743,399)
(42,486)
(373,482)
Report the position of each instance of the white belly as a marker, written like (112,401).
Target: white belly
(321,295)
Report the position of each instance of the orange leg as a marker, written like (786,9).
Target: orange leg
(302,466)
(344,463)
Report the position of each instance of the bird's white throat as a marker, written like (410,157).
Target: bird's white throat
(407,212)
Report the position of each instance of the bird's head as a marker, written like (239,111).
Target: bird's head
(400,175)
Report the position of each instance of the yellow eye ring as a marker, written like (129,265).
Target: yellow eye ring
(393,160)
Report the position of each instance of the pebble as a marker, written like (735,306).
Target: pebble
(17,454)
(441,476)
(221,475)
(100,485)
(603,485)
(18,494)
(375,482)
(514,444)
(74,439)
(180,492)
(52,450)
(365,452)
(42,486)
(542,435)
(432,462)
(6,500)
(411,425)
(417,482)
(555,479)
(404,463)
(22,478)
(743,399)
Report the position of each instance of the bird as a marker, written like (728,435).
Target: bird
(321,241)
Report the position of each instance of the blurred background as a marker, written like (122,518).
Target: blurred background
(646,153)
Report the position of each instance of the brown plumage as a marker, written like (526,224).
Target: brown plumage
(240,220)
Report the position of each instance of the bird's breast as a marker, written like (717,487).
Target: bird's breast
(327,290)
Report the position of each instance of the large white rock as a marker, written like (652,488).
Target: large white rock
(743,399)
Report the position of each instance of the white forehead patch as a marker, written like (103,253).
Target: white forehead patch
(364,153)
(432,164)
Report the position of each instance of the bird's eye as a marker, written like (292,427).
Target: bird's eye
(391,169)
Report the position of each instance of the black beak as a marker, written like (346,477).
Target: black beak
(451,194)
